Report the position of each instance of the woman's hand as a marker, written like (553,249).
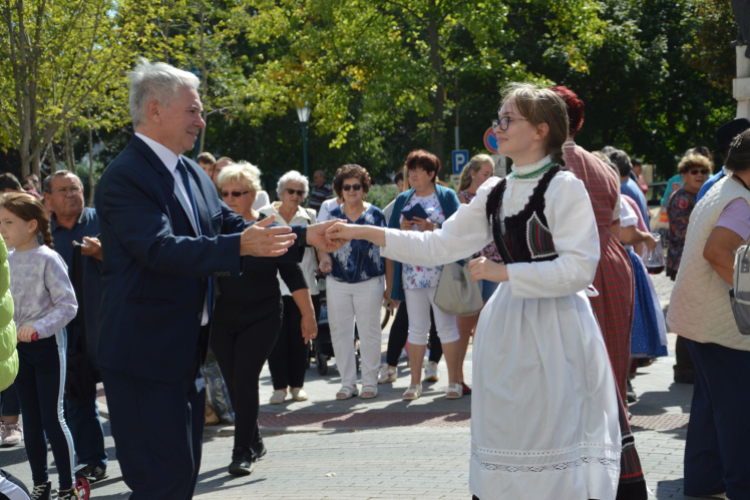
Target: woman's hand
(25,333)
(388,300)
(424,224)
(483,268)
(309,327)
(650,242)
(341,232)
(326,265)
(407,225)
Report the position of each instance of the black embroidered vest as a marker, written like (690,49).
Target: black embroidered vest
(527,237)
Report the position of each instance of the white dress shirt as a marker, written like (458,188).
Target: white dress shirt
(169,159)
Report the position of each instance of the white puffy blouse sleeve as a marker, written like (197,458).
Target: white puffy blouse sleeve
(571,221)
(466,232)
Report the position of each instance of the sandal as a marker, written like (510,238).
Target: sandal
(455,391)
(413,392)
(346,392)
(368,392)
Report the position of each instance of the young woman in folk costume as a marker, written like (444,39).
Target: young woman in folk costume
(546,415)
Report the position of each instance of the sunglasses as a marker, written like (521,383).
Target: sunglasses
(703,171)
(347,187)
(233,194)
(298,192)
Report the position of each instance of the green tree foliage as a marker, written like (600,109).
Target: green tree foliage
(59,61)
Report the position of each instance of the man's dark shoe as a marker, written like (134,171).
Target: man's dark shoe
(632,398)
(94,473)
(42,491)
(259,450)
(242,462)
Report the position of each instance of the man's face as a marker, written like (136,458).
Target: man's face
(207,167)
(66,199)
(319,179)
(34,180)
(180,122)
(217,169)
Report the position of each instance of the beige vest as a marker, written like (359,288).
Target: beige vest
(699,309)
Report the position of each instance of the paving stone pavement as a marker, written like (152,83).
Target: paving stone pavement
(389,449)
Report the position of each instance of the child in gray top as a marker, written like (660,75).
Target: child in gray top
(44,303)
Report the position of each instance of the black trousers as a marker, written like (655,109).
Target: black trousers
(288,359)
(241,350)
(40,385)
(400,333)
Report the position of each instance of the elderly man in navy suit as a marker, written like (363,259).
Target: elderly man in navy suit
(164,236)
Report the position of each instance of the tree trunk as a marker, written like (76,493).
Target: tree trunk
(91,161)
(204,87)
(437,127)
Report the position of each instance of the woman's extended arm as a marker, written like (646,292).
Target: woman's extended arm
(467,231)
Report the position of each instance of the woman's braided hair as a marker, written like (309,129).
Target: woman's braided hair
(26,207)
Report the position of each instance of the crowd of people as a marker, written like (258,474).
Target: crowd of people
(181,261)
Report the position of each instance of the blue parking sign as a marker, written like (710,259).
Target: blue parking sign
(460,159)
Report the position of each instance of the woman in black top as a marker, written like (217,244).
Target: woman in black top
(247,319)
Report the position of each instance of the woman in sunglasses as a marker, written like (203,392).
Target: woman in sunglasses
(288,360)
(694,169)
(355,286)
(247,319)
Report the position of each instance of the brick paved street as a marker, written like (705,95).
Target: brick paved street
(386,448)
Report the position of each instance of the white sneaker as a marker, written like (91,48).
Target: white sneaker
(388,374)
(299,394)
(431,372)
(11,434)
(278,397)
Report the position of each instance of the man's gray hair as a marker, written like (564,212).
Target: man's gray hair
(47,185)
(622,161)
(159,81)
(293,176)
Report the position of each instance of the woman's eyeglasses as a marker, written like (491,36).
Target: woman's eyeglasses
(233,194)
(503,123)
(703,171)
(347,187)
(298,192)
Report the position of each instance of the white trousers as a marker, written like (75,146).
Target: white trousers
(418,303)
(347,302)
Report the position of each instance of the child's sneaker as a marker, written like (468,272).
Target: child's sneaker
(42,491)
(11,434)
(68,495)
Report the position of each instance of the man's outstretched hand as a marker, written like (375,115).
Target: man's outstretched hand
(316,236)
(261,241)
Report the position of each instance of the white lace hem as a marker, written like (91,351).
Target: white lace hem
(608,463)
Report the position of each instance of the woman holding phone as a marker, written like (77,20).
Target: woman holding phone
(423,208)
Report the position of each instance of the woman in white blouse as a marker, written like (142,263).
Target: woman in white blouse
(288,360)
(545,411)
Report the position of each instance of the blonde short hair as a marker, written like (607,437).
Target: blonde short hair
(243,173)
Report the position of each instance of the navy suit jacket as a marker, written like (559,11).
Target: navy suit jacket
(155,269)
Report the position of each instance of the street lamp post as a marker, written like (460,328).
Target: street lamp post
(303,113)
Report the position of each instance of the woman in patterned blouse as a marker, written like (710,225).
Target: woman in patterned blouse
(355,286)
(694,170)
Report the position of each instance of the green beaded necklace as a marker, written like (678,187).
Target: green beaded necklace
(536,173)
